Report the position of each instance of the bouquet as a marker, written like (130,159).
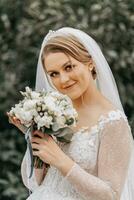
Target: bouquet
(50,112)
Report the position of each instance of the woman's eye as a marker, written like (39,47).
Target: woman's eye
(53,74)
(69,67)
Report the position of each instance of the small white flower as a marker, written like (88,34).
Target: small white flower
(43,121)
(28,90)
(35,95)
(43,107)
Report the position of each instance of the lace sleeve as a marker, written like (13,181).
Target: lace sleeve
(113,161)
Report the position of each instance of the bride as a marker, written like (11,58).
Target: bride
(98,162)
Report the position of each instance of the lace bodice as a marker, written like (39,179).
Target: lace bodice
(90,177)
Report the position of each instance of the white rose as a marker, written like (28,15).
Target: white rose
(50,104)
(61,121)
(33,112)
(56,95)
(68,112)
(58,112)
(18,113)
(26,116)
(29,104)
(49,101)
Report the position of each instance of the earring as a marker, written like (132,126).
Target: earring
(93,72)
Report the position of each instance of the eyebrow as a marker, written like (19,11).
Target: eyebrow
(68,62)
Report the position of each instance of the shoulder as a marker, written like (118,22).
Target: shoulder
(112,118)
(111,114)
(114,124)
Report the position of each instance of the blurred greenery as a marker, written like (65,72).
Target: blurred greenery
(23,25)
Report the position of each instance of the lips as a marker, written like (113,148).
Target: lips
(69,86)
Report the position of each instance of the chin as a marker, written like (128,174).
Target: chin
(77,93)
(74,96)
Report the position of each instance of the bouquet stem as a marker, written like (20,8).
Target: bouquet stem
(37,162)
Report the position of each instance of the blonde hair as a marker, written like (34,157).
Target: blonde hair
(70,46)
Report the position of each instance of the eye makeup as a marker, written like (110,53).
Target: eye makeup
(67,68)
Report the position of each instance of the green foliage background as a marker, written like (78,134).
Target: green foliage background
(23,25)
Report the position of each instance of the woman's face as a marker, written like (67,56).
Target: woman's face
(70,78)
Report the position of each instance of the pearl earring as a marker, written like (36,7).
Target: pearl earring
(93,72)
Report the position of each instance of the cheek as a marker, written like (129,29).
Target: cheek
(84,78)
(82,86)
(55,83)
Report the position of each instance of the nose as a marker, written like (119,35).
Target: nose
(64,78)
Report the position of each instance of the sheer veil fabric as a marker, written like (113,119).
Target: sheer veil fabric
(105,82)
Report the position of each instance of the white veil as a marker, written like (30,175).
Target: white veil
(105,82)
(105,79)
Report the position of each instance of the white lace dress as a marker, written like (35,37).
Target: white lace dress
(101,157)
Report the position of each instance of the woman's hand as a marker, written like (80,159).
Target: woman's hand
(15,121)
(49,152)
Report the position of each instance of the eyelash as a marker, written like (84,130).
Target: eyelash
(68,66)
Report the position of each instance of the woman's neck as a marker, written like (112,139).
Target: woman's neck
(90,98)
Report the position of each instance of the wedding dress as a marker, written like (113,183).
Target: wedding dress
(96,174)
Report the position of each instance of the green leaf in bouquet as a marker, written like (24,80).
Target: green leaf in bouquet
(63,131)
(64,135)
(62,139)
(48,131)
